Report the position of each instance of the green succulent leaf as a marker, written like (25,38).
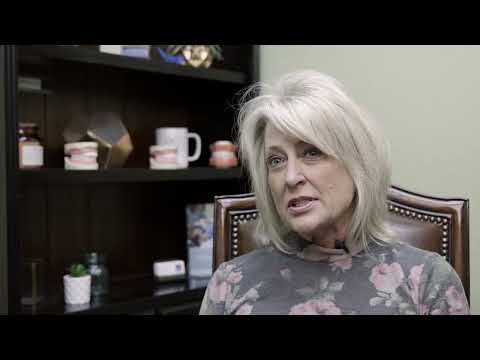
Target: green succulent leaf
(78,270)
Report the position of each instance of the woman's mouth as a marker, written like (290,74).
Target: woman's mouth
(300,205)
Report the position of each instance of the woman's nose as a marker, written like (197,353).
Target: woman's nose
(294,174)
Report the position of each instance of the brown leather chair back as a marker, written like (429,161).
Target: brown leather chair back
(434,224)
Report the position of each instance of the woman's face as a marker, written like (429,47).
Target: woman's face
(313,192)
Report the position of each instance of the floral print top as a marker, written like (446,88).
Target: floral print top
(388,279)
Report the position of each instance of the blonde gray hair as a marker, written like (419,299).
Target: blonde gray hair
(315,108)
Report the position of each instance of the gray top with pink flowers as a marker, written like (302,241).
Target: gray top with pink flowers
(388,279)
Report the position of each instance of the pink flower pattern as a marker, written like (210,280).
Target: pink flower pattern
(387,278)
(390,290)
(315,307)
(414,278)
(423,309)
(457,304)
(344,264)
(221,286)
(218,290)
(234,277)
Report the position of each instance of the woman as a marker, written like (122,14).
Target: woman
(320,172)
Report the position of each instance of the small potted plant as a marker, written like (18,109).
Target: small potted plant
(77,285)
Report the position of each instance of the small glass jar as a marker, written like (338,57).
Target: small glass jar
(30,149)
(99,272)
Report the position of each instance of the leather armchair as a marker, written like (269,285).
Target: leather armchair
(435,224)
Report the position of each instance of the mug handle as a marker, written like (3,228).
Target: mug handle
(198,146)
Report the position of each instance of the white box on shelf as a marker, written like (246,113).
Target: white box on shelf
(111,49)
(169,270)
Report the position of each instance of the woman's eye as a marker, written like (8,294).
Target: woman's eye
(312,153)
(274,161)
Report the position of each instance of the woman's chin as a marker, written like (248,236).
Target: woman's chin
(304,231)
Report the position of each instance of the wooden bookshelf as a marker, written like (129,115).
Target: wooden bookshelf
(133,215)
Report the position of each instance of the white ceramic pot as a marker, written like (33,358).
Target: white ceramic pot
(77,290)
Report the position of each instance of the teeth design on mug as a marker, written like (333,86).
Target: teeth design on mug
(81,156)
(163,157)
(179,137)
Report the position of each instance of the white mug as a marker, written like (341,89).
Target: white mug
(178,137)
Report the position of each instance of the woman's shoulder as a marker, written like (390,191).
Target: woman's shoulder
(409,256)
(255,256)
(251,261)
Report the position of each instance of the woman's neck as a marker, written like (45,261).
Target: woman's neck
(328,236)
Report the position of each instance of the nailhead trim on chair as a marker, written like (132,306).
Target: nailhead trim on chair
(397,209)
(238,219)
(420,216)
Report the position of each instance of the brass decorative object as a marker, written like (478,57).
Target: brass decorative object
(198,55)
(107,128)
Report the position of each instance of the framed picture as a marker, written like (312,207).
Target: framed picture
(200,240)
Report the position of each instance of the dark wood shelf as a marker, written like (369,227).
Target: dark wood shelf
(142,296)
(61,176)
(85,55)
